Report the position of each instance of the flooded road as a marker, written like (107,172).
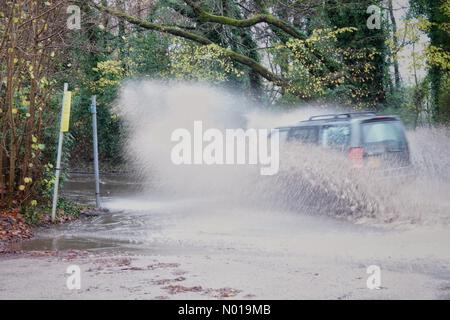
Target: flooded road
(160,248)
(313,230)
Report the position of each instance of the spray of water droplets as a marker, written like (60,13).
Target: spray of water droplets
(311,180)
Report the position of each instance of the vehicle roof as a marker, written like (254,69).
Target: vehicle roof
(339,118)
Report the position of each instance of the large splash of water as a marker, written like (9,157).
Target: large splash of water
(311,180)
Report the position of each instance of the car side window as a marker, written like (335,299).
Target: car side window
(336,137)
(308,135)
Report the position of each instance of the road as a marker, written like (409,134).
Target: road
(151,247)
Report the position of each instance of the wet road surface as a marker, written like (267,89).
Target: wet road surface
(154,247)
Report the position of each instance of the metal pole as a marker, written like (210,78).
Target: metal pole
(95,143)
(58,159)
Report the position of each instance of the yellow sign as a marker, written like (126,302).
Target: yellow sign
(67,102)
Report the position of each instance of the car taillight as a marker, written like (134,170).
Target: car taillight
(356,156)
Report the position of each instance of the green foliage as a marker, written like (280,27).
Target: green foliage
(47,183)
(34,214)
(312,78)
(368,48)
(69,207)
(411,103)
(31,215)
(201,63)
(437,14)
(148,54)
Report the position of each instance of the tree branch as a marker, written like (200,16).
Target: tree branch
(204,16)
(271,20)
(240,58)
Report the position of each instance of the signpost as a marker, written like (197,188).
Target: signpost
(95,145)
(64,127)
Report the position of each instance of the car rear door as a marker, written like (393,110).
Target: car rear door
(384,142)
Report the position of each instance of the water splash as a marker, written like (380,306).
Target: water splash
(153,110)
(312,180)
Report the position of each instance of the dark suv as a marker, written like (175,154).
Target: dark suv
(369,140)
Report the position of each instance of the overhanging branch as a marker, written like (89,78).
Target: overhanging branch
(271,20)
(204,16)
(240,58)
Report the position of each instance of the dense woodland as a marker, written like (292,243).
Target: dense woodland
(280,53)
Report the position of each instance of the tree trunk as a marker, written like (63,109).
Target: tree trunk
(395,40)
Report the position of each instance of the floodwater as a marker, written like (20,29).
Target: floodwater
(159,223)
(258,251)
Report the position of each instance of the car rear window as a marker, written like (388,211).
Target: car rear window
(383,131)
